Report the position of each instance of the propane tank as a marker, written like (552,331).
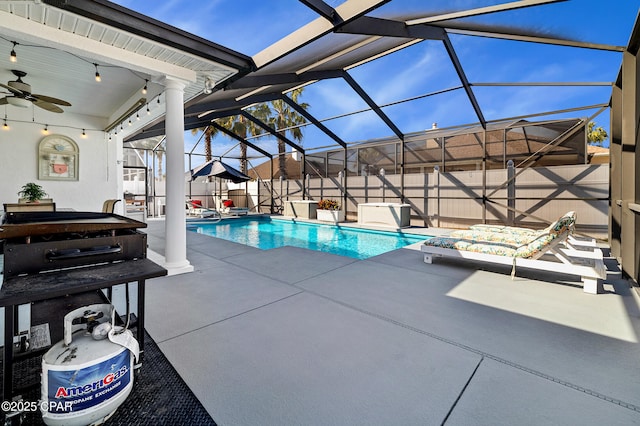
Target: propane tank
(89,374)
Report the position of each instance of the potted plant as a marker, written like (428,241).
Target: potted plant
(329,211)
(32,192)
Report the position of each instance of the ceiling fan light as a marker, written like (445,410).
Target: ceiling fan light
(18,102)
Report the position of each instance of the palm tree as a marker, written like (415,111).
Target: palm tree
(159,152)
(242,127)
(286,119)
(209,133)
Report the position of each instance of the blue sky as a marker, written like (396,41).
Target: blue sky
(248,26)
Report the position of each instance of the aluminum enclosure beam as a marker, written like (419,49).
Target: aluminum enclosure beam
(240,139)
(482,11)
(313,120)
(388,28)
(463,79)
(533,39)
(365,97)
(323,9)
(253,81)
(349,10)
(272,131)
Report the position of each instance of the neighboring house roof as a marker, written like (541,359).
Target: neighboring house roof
(594,149)
(263,170)
(463,148)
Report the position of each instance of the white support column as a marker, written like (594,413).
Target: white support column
(175,218)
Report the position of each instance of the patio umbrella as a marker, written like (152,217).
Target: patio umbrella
(219,169)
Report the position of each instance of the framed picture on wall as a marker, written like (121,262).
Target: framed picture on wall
(58,158)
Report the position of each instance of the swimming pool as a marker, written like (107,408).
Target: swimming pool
(267,233)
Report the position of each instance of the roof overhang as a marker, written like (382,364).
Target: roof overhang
(61,44)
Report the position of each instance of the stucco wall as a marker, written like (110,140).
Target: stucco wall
(98,168)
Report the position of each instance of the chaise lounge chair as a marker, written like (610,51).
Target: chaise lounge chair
(194,208)
(525,249)
(229,208)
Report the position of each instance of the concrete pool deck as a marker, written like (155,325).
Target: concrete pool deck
(294,337)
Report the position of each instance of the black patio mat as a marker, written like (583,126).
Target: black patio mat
(159,395)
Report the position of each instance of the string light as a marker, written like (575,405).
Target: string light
(98,78)
(144,89)
(13,57)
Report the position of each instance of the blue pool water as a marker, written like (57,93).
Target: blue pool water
(266,233)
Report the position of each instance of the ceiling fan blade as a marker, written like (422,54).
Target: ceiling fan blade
(47,105)
(13,90)
(51,100)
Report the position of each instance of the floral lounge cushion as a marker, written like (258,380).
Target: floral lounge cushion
(505,229)
(567,220)
(528,250)
(511,238)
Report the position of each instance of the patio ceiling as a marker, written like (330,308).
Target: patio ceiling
(346,37)
(59,43)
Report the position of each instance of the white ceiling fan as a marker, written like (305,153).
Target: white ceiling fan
(20,95)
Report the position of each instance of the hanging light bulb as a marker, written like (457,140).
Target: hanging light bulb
(109,137)
(46,129)
(98,78)
(209,84)
(5,126)
(13,57)
(84,134)
(144,89)
(137,117)
(148,110)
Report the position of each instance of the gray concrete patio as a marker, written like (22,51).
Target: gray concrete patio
(296,337)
